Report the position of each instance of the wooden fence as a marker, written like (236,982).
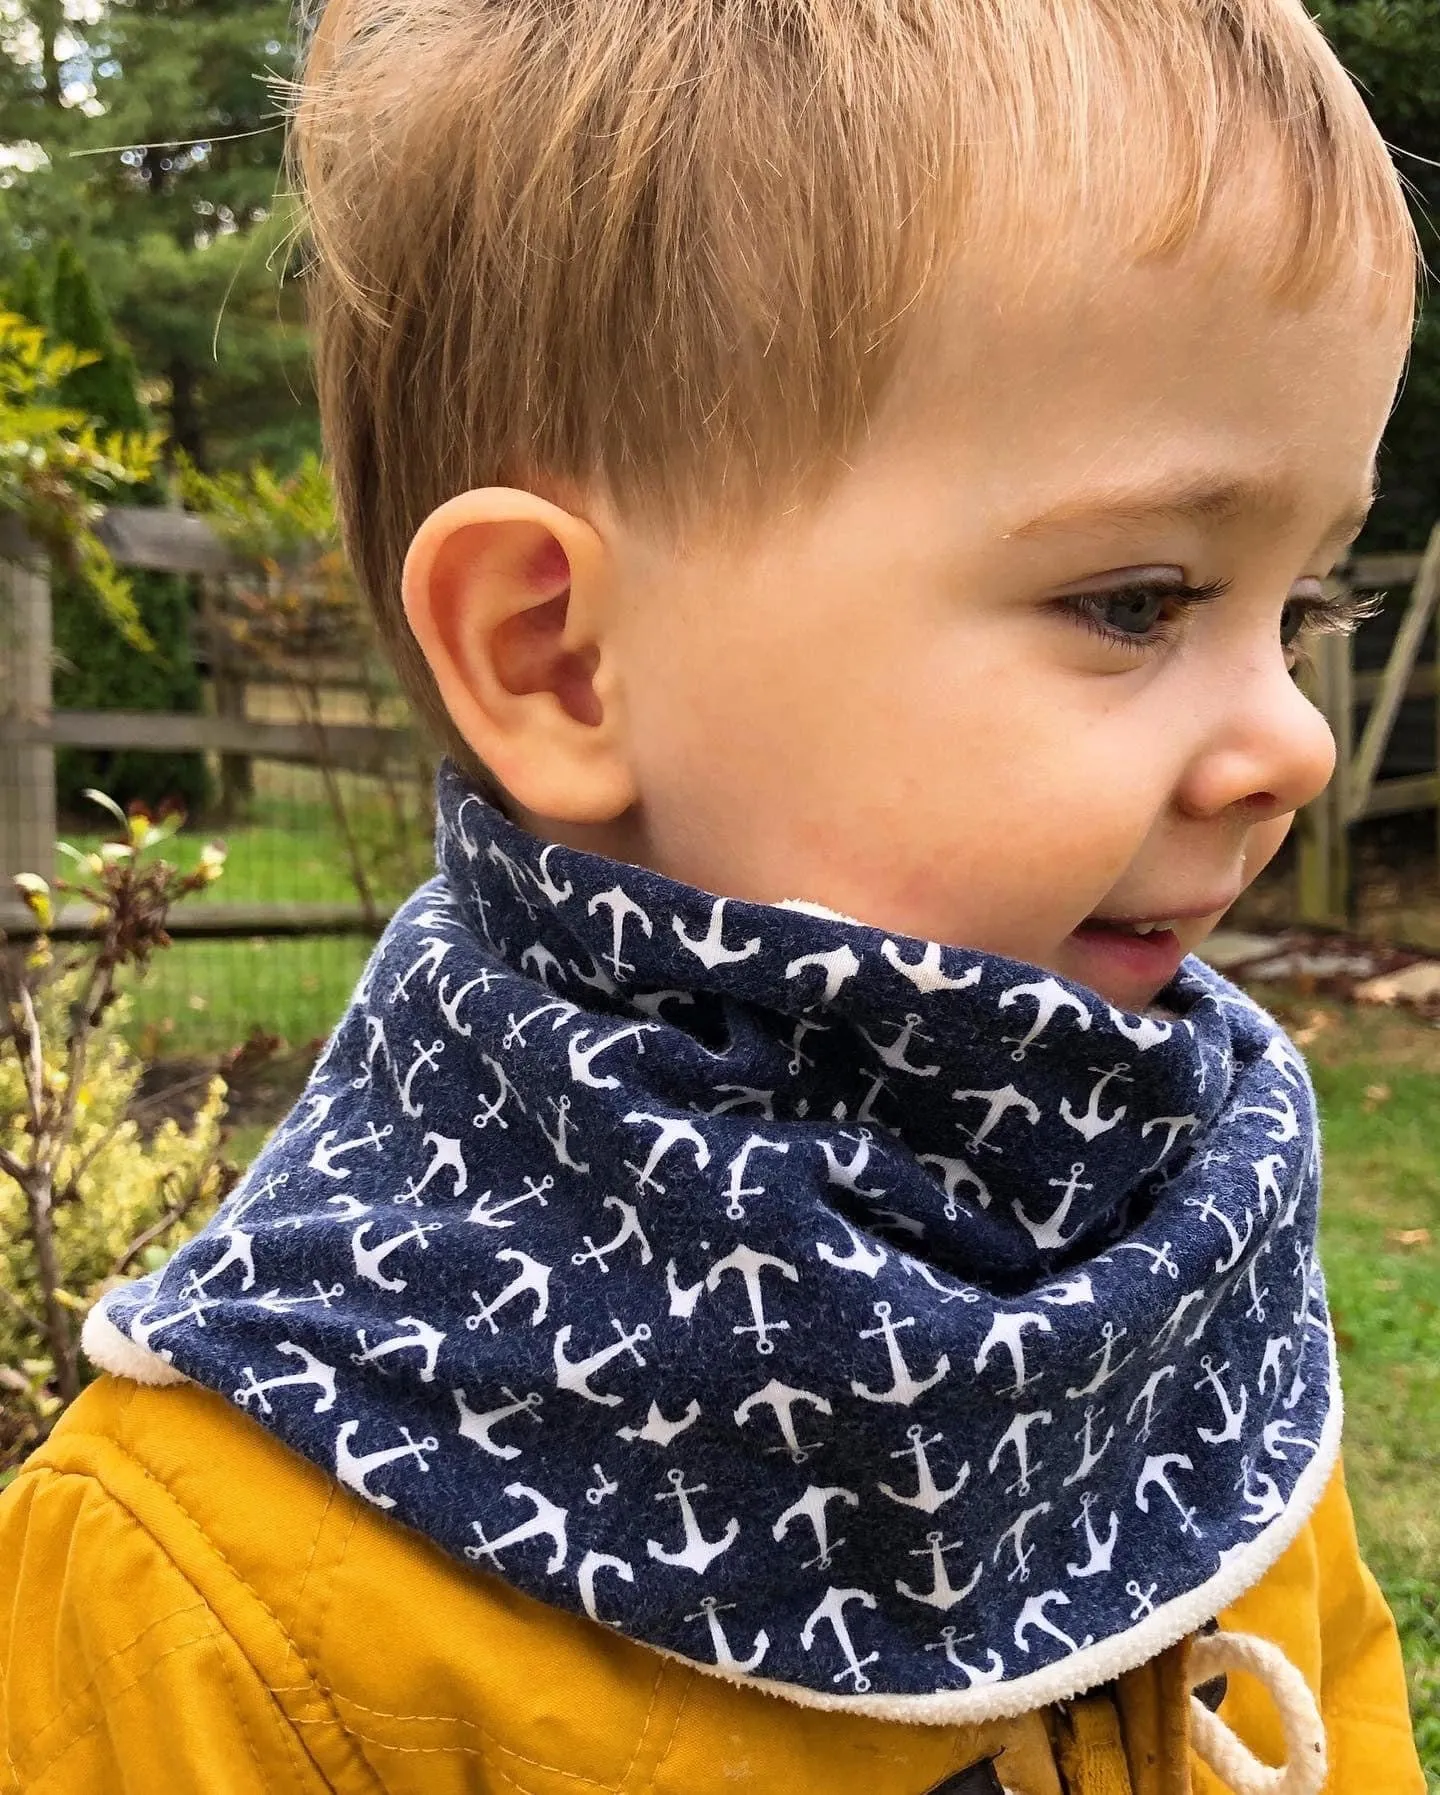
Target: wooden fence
(172,541)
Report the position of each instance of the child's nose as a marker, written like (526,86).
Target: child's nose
(1267,750)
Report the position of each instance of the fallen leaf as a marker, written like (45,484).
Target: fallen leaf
(1407,1237)
(1375,1095)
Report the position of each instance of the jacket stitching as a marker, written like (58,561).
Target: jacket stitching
(670,1742)
(644,1731)
(492,1739)
(290,1744)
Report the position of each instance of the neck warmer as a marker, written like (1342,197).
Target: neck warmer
(892,1326)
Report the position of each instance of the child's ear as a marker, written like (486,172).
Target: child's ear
(508,597)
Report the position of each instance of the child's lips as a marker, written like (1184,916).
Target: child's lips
(1118,961)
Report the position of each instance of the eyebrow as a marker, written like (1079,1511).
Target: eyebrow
(1208,500)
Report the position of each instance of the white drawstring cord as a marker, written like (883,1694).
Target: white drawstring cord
(1303,1772)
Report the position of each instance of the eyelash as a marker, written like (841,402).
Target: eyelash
(1328,616)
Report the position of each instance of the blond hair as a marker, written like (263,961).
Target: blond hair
(669,246)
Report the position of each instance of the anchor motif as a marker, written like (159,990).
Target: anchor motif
(547,1522)
(1287,1123)
(1277,1435)
(532,1279)
(1234,1417)
(352,1469)
(245,1200)
(312,1371)
(1147,1399)
(628,1230)
(864,1257)
(428,1340)
(948,1293)
(603,1486)
(954,1173)
(556,894)
(558,1008)
(947,1642)
(582,1057)
(1170,1327)
(1033,1617)
(682,1302)
(832,1609)
(1238,1242)
(282,1305)
(1101,1550)
(558,1140)
(811,1507)
(620,905)
(740,1096)
(929,1498)
(538,956)
(697,1552)
(445,1156)
(1141,1031)
(1266,1503)
(1000,1102)
(368,1260)
(1173,1126)
(576,1374)
(449,1005)
(488,1213)
(1110,1334)
(926,974)
(426,1059)
(893,1053)
(590,1566)
(491,1107)
(657,1430)
(848,1177)
(238,1252)
(710,950)
(516,874)
(1048,1234)
(1156,1470)
(1270,1365)
(375,1045)
(1089,1456)
(342,1207)
(1144,1599)
(737,1188)
(1090,1122)
(725,1659)
(942,1594)
(750,1265)
(838,965)
(652,1003)
(481,1427)
(1014,1536)
(434,952)
(1050,998)
(1008,1330)
(1017,1437)
(673,1130)
(1159,1257)
(1069,1292)
(782,1399)
(597,979)
(326,1152)
(903,1387)
(1267,1182)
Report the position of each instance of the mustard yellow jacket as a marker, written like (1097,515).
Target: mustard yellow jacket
(187,1606)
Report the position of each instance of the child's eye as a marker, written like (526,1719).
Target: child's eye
(1140,615)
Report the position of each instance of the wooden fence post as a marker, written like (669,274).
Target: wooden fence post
(1323,884)
(27,770)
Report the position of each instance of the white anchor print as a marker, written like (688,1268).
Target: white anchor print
(1090,1456)
(1209,1211)
(556,894)
(491,1108)
(1008,1330)
(1146,1398)
(628,1230)
(368,1259)
(559,1140)
(948,1293)
(342,1207)
(582,1057)
(1170,1327)
(737,1188)
(697,1552)
(540,958)
(750,1266)
(953,1174)
(1159,1257)
(942,1594)
(725,1659)
(1090,1122)
(838,965)
(1267,1183)
(1017,1437)
(558,1009)
(657,1431)
(865,1256)
(326,1152)
(245,1199)
(1141,1031)
(445,1156)
(547,1522)
(275,1304)
(1156,1471)
(312,1372)
(434,950)
(832,1609)
(1173,1126)
(590,1567)
(741,1096)
(848,1176)
(782,1399)
(312,1110)
(449,1003)
(1014,1537)
(1069,1292)
(237,1252)
(1262,1495)
(903,1387)
(929,1498)
(893,1053)
(1000,1102)
(710,950)
(811,1507)
(926,974)
(481,1427)
(1101,1550)
(1234,1414)
(519,876)
(487,1213)
(1279,1434)
(532,1279)
(576,1374)
(1050,999)
(620,905)
(375,1045)
(947,1642)
(426,1060)
(1144,1599)
(1034,1618)
(1287,1122)
(426,1338)
(1109,1335)
(353,1470)
(1049,1233)
(682,1302)
(602,1487)
(1270,1366)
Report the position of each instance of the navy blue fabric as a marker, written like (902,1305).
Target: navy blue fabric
(867,1315)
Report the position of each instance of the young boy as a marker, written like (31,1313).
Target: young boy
(784,1214)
